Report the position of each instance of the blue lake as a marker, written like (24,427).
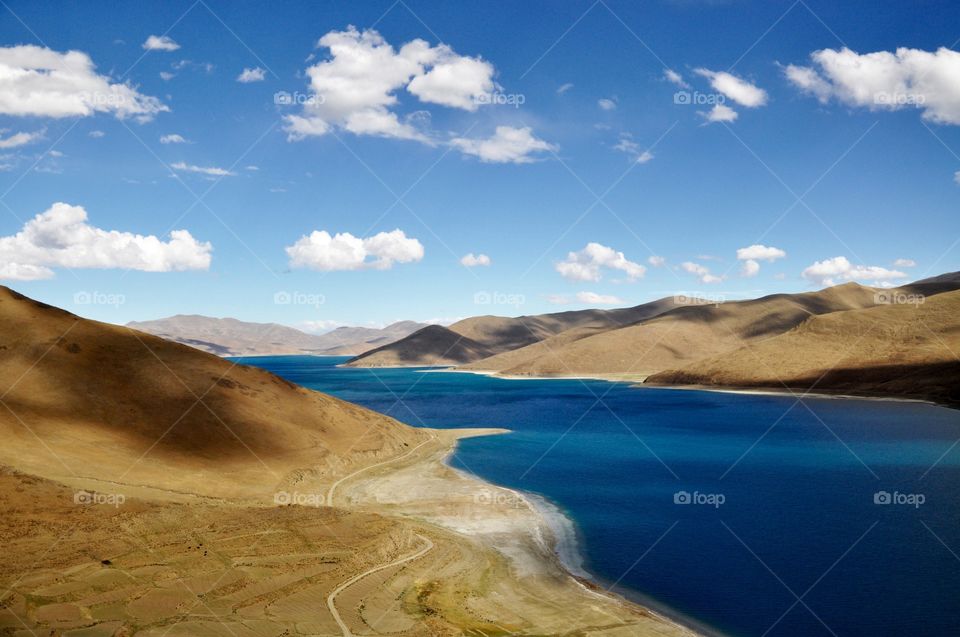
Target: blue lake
(743,515)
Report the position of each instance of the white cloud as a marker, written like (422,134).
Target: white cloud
(750,268)
(40,82)
(455,80)
(20,139)
(702,272)
(318,327)
(343,251)
(211,171)
(160,43)
(720,113)
(672,76)
(908,78)
(904,263)
(357,85)
(752,255)
(172,139)
(599,299)
(830,271)
(760,253)
(166,76)
(61,237)
(737,89)
(586,264)
(252,75)
(472,260)
(656,261)
(251,168)
(606,104)
(563,88)
(96,134)
(956,176)
(632,148)
(508,145)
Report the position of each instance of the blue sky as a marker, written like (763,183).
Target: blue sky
(547,137)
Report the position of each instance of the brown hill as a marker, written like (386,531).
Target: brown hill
(231,337)
(681,335)
(433,345)
(490,335)
(172,417)
(901,349)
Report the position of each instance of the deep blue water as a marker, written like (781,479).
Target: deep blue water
(798,520)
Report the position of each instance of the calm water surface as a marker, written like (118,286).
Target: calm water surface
(787,538)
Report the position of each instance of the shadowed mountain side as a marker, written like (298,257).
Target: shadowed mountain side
(230,337)
(433,345)
(492,335)
(900,350)
(172,416)
(685,334)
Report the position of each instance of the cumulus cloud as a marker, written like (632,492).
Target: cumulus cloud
(702,272)
(675,78)
(343,251)
(472,260)
(563,88)
(37,81)
(720,113)
(904,263)
(831,271)
(606,104)
(358,84)
(160,43)
(210,171)
(737,89)
(752,255)
(61,237)
(656,261)
(252,75)
(20,139)
(587,264)
(507,145)
(172,139)
(907,78)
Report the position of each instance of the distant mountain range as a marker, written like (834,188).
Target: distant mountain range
(231,337)
(847,338)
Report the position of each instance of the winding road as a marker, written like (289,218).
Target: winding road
(333,487)
(331,599)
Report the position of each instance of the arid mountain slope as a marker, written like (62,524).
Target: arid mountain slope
(683,335)
(892,350)
(230,337)
(433,345)
(489,335)
(172,417)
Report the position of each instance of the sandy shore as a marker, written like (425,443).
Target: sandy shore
(535,539)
